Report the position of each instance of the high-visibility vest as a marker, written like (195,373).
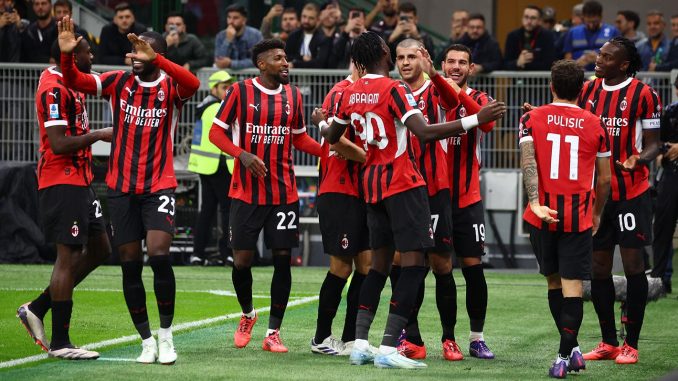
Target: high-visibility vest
(205,156)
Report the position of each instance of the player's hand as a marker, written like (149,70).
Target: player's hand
(67,40)
(141,50)
(527,107)
(427,63)
(545,213)
(491,111)
(106,134)
(596,224)
(629,165)
(253,164)
(318,116)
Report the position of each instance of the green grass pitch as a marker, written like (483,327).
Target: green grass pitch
(519,330)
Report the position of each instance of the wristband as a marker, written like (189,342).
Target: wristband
(469,122)
(322,125)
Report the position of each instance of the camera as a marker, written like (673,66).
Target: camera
(405,18)
(173,28)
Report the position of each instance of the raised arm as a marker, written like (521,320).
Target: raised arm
(73,78)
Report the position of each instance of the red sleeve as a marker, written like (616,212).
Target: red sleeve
(187,83)
(219,138)
(93,84)
(402,102)
(307,144)
(228,111)
(651,109)
(525,129)
(448,97)
(53,106)
(473,107)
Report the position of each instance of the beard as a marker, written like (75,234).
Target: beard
(282,80)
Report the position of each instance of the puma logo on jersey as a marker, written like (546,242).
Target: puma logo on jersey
(256,107)
(130,91)
(54,94)
(593,103)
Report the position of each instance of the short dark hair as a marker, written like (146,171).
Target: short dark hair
(407,8)
(265,45)
(477,16)
(567,79)
(63,3)
(159,43)
(631,16)
(174,14)
(290,10)
(635,62)
(357,9)
(592,8)
(237,8)
(55,51)
(536,8)
(367,51)
(122,7)
(458,48)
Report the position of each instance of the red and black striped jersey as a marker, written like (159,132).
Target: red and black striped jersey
(431,158)
(262,122)
(463,155)
(338,175)
(567,140)
(626,110)
(377,108)
(56,105)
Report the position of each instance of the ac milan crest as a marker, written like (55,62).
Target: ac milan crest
(462,111)
(74,229)
(344,242)
(623,104)
(287,108)
(161,95)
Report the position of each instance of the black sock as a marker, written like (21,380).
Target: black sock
(403,300)
(164,286)
(368,303)
(61,320)
(330,297)
(281,284)
(602,296)
(571,315)
(556,305)
(242,283)
(394,275)
(446,301)
(41,304)
(135,296)
(476,296)
(352,297)
(636,300)
(412,327)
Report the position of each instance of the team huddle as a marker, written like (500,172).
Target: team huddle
(399,192)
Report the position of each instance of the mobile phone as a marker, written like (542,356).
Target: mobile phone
(9,9)
(404,18)
(172,28)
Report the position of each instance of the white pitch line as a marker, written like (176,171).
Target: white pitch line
(132,338)
(115,359)
(213,292)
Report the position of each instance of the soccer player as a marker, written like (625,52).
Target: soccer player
(468,214)
(398,214)
(146,104)
(343,224)
(630,111)
(431,161)
(560,146)
(70,211)
(265,117)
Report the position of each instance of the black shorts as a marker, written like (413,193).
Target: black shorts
(133,215)
(566,254)
(626,223)
(468,231)
(343,224)
(280,224)
(441,219)
(69,214)
(401,221)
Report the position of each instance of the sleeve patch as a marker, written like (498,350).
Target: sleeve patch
(53,111)
(411,100)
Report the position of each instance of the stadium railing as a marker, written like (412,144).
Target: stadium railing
(19,138)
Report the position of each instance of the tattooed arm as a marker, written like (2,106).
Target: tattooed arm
(531,180)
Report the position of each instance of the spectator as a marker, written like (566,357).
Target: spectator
(627,22)
(184,48)
(233,46)
(672,59)
(529,47)
(485,49)
(329,19)
(407,27)
(114,43)
(289,22)
(583,42)
(389,18)
(10,32)
(458,27)
(548,19)
(655,49)
(576,18)
(37,38)
(341,52)
(308,47)
(65,8)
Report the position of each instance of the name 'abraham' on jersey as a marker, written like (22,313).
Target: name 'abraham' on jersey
(337,175)
(377,107)
(431,157)
(625,110)
(262,122)
(57,105)
(463,155)
(567,141)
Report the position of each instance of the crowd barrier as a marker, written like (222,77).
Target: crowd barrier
(19,138)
